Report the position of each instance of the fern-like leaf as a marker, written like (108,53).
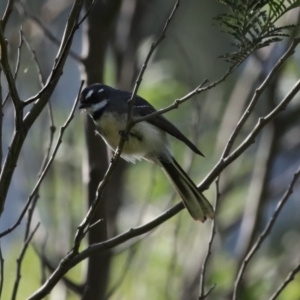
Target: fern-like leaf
(252,24)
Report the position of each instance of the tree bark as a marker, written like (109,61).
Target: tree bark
(95,40)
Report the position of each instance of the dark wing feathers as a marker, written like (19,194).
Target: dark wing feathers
(143,108)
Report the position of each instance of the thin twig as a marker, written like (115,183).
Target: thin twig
(36,196)
(1,271)
(94,2)
(46,31)
(45,170)
(256,194)
(257,94)
(17,68)
(224,162)
(287,280)
(202,88)
(43,266)
(47,265)
(20,260)
(71,260)
(52,131)
(145,64)
(52,126)
(6,15)
(202,295)
(1,122)
(10,80)
(35,59)
(43,96)
(60,58)
(199,89)
(173,258)
(126,268)
(179,101)
(17,64)
(264,234)
(208,292)
(91,226)
(18,116)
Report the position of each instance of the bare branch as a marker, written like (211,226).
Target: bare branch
(76,288)
(35,59)
(43,96)
(6,15)
(20,260)
(88,12)
(71,260)
(47,166)
(257,94)
(65,45)
(10,162)
(264,234)
(43,266)
(202,295)
(256,194)
(201,88)
(17,64)
(46,31)
(144,67)
(224,162)
(177,102)
(288,279)
(208,292)
(11,81)
(173,258)
(1,124)
(52,131)
(1,271)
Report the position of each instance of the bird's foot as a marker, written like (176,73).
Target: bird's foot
(112,159)
(123,135)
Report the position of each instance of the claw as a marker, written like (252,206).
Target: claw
(122,134)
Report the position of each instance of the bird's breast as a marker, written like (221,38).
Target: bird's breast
(144,140)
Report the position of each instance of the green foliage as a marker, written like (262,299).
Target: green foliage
(251,23)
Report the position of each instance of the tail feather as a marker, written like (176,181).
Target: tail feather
(195,202)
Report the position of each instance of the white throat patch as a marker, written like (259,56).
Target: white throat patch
(97,106)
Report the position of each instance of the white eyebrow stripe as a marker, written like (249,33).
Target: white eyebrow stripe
(101,90)
(89,94)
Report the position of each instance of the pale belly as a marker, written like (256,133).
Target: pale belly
(145,140)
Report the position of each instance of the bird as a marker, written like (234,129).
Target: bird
(108,108)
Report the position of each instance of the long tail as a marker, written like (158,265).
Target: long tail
(195,202)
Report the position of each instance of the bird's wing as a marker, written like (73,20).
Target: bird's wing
(143,108)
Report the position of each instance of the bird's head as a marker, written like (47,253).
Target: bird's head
(94,98)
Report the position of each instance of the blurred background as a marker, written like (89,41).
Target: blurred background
(111,47)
